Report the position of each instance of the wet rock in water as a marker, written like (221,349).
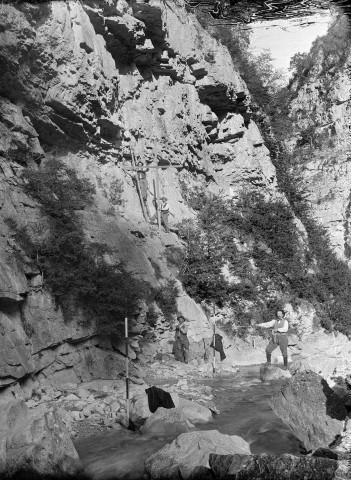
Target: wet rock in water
(139,409)
(35,442)
(190,451)
(270,467)
(195,412)
(311,409)
(272,372)
(167,421)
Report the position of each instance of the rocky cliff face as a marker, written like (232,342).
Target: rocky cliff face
(321,109)
(87,84)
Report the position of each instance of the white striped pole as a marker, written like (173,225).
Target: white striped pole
(214,338)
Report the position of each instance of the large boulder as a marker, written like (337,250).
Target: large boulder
(166,421)
(270,467)
(311,409)
(139,409)
(195,412)
(35,443)
(191,451)
(270,372)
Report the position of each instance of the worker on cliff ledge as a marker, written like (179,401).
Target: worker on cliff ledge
(164,207)
(164,212)
(280,327)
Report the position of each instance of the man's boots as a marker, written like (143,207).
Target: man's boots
(285,363)
(269,357)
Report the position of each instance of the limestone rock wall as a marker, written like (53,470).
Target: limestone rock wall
(323,102)
(89,82)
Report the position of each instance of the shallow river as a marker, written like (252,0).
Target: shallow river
(243,402)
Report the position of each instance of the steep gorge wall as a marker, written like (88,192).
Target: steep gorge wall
(86,83)
(322,103)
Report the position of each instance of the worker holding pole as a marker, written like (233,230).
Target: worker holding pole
(279,336)
(216,343)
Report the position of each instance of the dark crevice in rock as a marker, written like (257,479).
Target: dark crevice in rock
(222,100)
(334,405)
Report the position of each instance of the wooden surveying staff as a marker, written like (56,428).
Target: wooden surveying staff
(127,368)
(214,338)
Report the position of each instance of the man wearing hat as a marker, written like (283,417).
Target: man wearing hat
(164,208)
(181,341)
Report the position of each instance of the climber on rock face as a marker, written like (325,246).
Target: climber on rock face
(181,341)
(280,327)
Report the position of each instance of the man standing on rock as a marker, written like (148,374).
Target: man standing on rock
(164,207)
(181,341)
(280,327)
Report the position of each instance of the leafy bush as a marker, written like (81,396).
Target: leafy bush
(213,246)
(194,196)
(332,280)
(152,316)
(116,190)
(21,156)
(58,189)
(327,52)
(175,257)
(166,297)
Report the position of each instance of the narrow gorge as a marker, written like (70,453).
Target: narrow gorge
(259,205)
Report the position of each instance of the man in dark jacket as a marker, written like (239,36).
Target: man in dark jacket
(181,341)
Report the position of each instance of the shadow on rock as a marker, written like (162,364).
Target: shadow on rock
(335,407)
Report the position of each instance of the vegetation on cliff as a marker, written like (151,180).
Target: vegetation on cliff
(327,54)
(282,267)
(240,252)
(249,253)
(77,272)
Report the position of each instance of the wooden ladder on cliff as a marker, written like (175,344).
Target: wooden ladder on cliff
(146,217)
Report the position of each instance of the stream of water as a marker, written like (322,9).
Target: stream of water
(243,402)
